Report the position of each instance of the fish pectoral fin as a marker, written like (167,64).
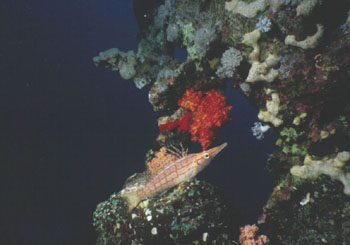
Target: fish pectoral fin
(163,193)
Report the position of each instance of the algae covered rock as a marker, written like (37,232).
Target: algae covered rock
(192,213)
(316,212)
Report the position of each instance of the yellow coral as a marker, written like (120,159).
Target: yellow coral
(305,7)
(332,167)
(271,112)
(249,10)
(308,42)
(260,71)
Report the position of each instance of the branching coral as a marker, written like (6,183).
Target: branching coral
(260,71)
(329,166)
(270,115)
(207,114)
(309,42)
(306,6)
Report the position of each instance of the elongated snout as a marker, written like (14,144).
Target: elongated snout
(214,151)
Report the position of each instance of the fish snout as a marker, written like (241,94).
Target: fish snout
(214,151)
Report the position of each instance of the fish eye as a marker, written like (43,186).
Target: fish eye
(206,156)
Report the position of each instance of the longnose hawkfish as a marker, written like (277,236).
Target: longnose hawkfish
(170,167)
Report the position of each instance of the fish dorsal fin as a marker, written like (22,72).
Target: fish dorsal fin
(160,161)
(177,152)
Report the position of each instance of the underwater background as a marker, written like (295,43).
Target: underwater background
(71,133)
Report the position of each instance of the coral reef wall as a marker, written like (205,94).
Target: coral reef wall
(291,60)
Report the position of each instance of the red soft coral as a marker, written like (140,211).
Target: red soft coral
(182,124)
(191,100)
(208,114)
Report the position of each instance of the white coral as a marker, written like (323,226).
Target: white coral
(259,129)
(308,42)
(230,59)
(264,24)
(203,37)
(271,112)
(249,10)
(329,166)
(305,7)
(260,71)
(263,71)
(126,65)
(172,32)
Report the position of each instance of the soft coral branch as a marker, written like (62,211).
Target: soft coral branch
(182,124)
(207,113)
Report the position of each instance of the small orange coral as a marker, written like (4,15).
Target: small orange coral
(249,236)
(210,112)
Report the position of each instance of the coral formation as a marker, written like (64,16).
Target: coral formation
(260,71)
(258,130)
(249,10)
(207,113)
(291,59)
(210,112)
(230,59)
(309,42)
(328,166)
(271,112)
(183,215)
(289,219)
(264,24)
(249,236)
(305,7)
(117,60)
(183,124)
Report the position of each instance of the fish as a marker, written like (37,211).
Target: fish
(167,169)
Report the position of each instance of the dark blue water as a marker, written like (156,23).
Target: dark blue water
(70,133)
